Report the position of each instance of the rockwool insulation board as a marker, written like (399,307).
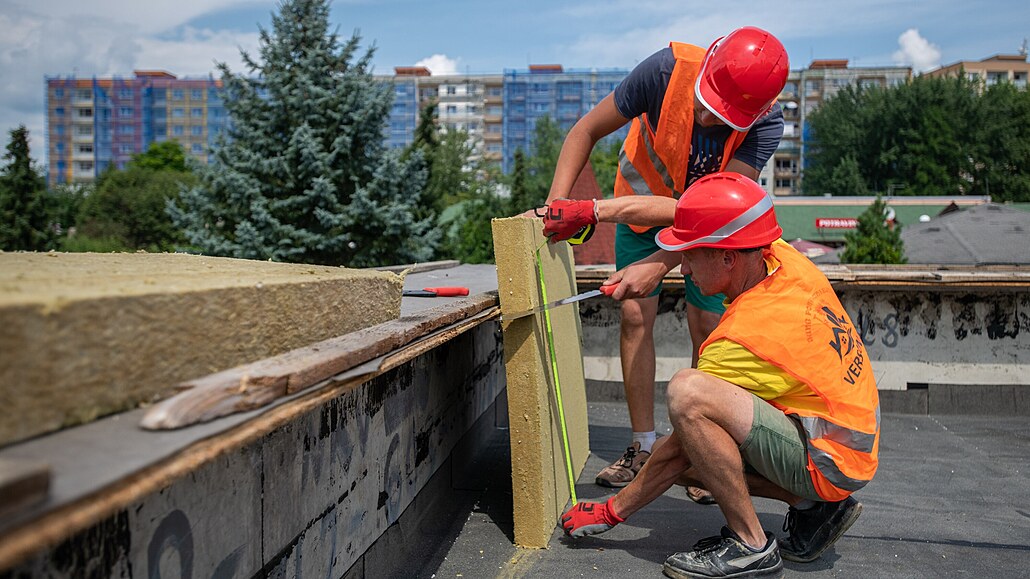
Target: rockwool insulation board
(539,476)
(86,335)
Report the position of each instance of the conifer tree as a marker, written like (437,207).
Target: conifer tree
(305,174)
(874,240)
(23,211)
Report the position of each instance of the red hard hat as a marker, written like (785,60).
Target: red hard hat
(725,210)
(741,76)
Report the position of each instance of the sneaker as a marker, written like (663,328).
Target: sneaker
(812,531)
(621,472)
(725,556)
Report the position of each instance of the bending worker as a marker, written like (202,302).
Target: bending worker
(783,402)
(693,112)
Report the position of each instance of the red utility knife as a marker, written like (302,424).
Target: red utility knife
(434,292)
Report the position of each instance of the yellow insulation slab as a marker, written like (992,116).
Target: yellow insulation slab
(539,475)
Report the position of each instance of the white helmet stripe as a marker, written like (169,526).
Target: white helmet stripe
(740,222)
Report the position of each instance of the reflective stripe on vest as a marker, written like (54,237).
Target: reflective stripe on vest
(820,429)
(739,222)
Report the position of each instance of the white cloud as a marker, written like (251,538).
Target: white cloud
(917,51)
(68,43)
(439,64)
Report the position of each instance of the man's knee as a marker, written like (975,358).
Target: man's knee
(637,317)
(685,395)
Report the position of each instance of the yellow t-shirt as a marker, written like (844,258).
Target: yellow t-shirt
(729,361)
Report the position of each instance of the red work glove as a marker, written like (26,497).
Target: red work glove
(565,218)
(590,519)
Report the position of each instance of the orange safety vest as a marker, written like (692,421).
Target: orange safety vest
(811,338)
(655,162)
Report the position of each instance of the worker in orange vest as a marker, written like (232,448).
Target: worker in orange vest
(782,404)
(694,112)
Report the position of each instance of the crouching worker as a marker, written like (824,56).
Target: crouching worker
(782,404)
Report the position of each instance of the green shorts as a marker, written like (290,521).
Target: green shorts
(631,246)
(776,449)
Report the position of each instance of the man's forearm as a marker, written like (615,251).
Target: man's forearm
(645,210)
(666,464)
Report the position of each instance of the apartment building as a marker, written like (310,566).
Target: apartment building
(1012,68)
(550,90)
(805,90)
(96,123)
(472,103)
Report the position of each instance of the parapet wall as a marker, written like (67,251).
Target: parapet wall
(917,334)
(309,497)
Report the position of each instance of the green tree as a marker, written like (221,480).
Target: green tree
(24,223)
(530,180)
(1001,160)
(163,156)
(605,161)
(63,204)
(305,174)
(933,136)
(874,241)
(128,209)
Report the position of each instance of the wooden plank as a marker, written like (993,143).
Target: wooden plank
(254,385)
(23,483)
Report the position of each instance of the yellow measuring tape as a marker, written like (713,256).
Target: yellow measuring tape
(557,383)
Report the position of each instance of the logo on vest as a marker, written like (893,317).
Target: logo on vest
(844,344)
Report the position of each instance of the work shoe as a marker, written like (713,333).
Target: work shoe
(812,531)
(621,472)
(725,556)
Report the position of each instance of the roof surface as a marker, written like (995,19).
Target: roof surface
(988,234)
(949,500)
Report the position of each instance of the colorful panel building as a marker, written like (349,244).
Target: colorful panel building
(96,123)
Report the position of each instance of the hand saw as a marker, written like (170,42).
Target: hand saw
(606,290)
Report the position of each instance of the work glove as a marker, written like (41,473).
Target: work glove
(572,220)
(590,519)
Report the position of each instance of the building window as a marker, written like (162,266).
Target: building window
(996,77)
(125,93)
(451,89)
(59,93)
(125,149)
(85,113)
(452,109)
(177,94)
(973,76)
(125,112)
(177,130)
(125,130)
(784,183)
(59,147)
(196,113)
(84,130)
(86,149)
(59,111)
(197,131)
(196,94)
(60,130)
(812,87)
(197,148)
(85,165)
(1019,79)
(84,94)
(178,113)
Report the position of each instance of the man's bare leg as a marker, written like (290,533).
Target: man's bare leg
(712,418)
(636,347)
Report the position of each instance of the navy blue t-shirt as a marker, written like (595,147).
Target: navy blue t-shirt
(643,92)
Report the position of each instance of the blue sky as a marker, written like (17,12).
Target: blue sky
(185,37)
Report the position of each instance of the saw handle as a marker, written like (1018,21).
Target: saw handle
(448,292)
